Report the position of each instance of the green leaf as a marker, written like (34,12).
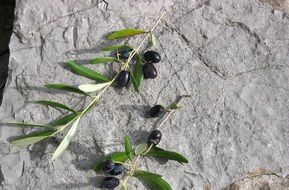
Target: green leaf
(128,147)
(55,104)
(33,138)
(119,156)
(123,186)
(137,75)
(125,33)
(116,47)
(64,120)
(65,88)
(141,148)
(20,124)
(86,72)
(93,87)
(157,152)
(155,182)
(104,60)
(153,39)
(67,139)
(174,106)
(142,173)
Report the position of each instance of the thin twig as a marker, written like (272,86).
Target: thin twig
(132,54)
(172,110)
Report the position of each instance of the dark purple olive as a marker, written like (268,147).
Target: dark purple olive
(118,169)
(157,111)
(151,57)
(123,78)
(108,166)
(125,53)
(110,182)
(149,71)
(155,137)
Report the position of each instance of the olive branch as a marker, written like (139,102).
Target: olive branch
(126,54)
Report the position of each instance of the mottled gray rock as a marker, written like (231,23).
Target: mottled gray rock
(231,56)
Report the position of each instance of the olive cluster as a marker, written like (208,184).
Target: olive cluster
(149,70)
(115,169)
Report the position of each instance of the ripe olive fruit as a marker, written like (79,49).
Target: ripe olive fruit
(110,182)
(157,111)
(151,57)
(149,71)
(123,78)
(155,137)
(124,53)
(118,169)
(108,166)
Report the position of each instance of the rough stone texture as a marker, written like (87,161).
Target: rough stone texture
(282,5)
(260,182)
(231,56)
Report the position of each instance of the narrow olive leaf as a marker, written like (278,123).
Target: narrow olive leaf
(128,147)
(123,186)
(65,88)
(104,60)
(33,138)
(153,39)
(65,142)
(156,152)
(86,72)
(116,47)
(125,33)
(92,87)
(141,148)
(21,124)
(155,182)
(119,156)
(64,120)
(137,75)
(55,104)
(143,173)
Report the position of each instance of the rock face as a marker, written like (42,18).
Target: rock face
(231,56)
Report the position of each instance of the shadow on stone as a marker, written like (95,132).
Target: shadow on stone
(95,182)
(38,149)
(6,25)
(140,110)
(139,136)
(86,157)
(1,176)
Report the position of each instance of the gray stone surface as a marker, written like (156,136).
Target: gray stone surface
(231,56)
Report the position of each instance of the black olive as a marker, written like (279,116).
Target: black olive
(123,78)
(155,137)
(118,169)
(125,53)
(149,71)
(151,57)
(108,166)
(110,182)
(157,111)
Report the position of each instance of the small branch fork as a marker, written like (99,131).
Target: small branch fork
(133,166)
